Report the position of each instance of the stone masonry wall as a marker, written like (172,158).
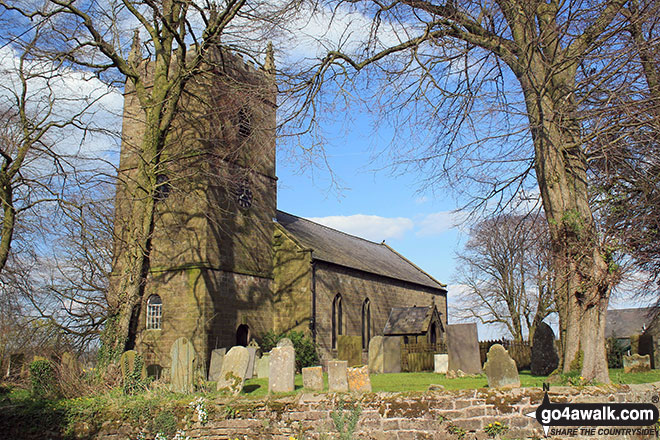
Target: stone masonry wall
(394,416)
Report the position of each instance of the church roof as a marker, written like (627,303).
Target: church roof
(624,323)
(408,320)
(337,247)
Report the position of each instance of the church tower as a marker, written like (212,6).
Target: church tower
(211,260)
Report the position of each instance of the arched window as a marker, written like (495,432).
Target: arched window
(366,324)
(337,320)
(433,334)
(154,312)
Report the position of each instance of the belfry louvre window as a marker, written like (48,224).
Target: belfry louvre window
(154,312)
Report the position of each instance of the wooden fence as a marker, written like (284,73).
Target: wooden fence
(418,356)
(521,352)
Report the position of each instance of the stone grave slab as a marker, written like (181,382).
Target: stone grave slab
(313,378)
(252,356)
(337,376)
(127,364)
(501,369)
(234,367)
(217,357)
(545,359)
(284,342)
(183,366)
(282,370)
(376,355)
(441,363)
(392,354)
(358,379)
(636,363)
(262,365)
(349,348)
(463,348)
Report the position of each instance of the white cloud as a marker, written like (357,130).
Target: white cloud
(371,227)
(440,222)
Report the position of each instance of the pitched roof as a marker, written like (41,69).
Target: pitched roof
(337,247)
(408,320)
(623,323)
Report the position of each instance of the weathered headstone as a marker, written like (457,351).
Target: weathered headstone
(358,379)
(463,348)
(337,376)
(262,365)
(636,363)
(313,378)
(376,355)
(349,348)
(441,363)
(183,366)
(501,369)
(284,342)
(69,363)
(252,355)
(545,359)
(392,354)
(282,372)
(234,367)
(217,357)
(127,364)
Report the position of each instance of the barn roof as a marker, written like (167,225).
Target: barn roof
(409,320)
(337,247)
(624,323)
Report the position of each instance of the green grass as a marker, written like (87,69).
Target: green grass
(403,382)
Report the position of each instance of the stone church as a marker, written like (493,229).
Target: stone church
(226,266)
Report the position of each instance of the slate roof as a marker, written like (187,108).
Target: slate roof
(346,250)
(623,323)
(408,320)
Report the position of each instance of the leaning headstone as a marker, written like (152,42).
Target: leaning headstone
(392,354)
(349,348)
(234,367)
(252,355)
(545,359)
(282,372)
(501,369)
(313,378)
(127,364)
(284,342)
(183,366)
(376,355)
(358,379)
(337,376)
(441,363)
(217,357)
(262,365)
(636,363)
(463,348)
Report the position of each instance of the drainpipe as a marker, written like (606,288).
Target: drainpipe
(312,321)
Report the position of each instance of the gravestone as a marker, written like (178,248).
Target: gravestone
(284,342)
(337,376)
(282,372)
(69,363)
(127,364)
(463,348)
(441,363)
(217,357)
(392,354)
(183,366)
(234,367)
(636,363)
(262,365)
(349,348)
(16,365)
(313,378)
(358,379)
(501,369)
(376,355)
(545,359)
(252,355)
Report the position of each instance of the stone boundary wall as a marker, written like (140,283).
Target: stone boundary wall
(399,416)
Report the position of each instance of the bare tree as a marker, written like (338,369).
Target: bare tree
(505,269)
(497,90)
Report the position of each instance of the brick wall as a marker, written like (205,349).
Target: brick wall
(397,416)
